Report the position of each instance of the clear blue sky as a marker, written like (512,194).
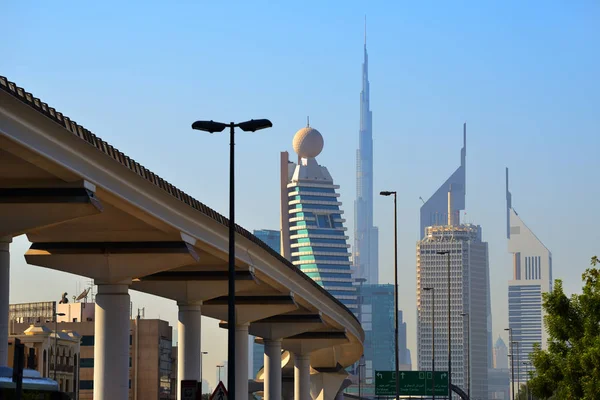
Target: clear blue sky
(524,75)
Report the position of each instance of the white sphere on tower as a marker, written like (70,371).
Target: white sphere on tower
(308,142)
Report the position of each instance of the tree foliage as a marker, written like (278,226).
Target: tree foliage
(570,367)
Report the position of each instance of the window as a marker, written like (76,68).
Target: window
(87,340)
(165,367)
(86,385)
(86,363)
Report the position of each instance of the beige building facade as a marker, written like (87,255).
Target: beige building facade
(54,354)
(151,359)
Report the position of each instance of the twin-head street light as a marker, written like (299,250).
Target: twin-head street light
(447,252)
(56,314)
(432,289)
(388,193)
(213,127)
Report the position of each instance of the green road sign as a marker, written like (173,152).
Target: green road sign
(416,383)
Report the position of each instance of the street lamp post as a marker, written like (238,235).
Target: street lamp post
(212,127)
(518,368)
(360,380)
(202,353)
(447,252)
(512,361)
(432,289)
(362,357)
(56,338)
(527,364)
(468,354)
(219,368)
(389,193)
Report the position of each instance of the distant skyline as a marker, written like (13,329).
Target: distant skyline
(523,75)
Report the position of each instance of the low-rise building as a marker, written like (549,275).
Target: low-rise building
(151,361)
(55,355)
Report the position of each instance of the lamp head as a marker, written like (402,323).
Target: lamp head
(386,193)
(443,252)
(209,126)
(255,125)
(427,288)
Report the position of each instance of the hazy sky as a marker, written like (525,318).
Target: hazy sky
(524,75)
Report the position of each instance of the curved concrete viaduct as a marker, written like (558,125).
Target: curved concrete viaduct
(90,210)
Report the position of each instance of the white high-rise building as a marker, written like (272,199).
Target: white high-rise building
(532,276)
(469,283)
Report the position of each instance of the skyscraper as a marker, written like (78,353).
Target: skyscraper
(377,320)
(366,236)
(469,276)
(271,238)
(500,354)
(435,210)
(404,357)
(313,235)
(376,314)
(532,276)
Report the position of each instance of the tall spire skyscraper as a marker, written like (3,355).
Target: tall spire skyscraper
(366,236)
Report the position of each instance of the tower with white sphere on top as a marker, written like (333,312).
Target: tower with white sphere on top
(313,236)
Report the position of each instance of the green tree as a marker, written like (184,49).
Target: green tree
(525,394)
(570,367)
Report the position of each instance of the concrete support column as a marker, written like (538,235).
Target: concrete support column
(189,365)
(111,342)
(241,362)
(4,297)
(302,377)
(272,370)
